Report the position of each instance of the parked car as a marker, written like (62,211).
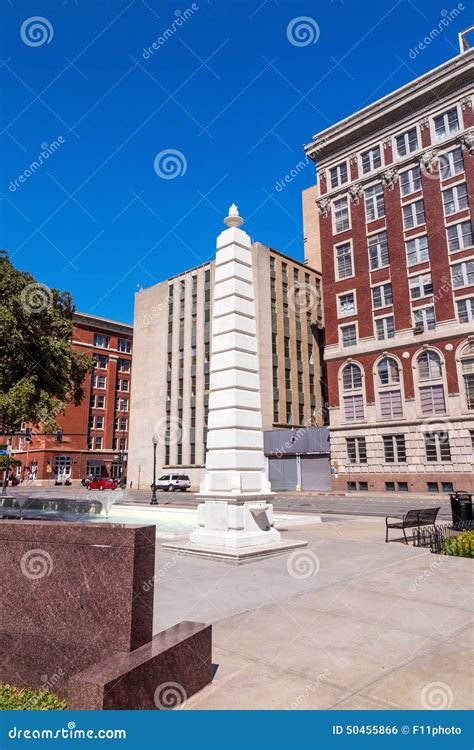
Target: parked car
(173,482)
(102,483)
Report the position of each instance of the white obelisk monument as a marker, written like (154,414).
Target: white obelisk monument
(236,515)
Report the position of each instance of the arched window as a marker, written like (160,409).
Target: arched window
(467,365)
(388,371)
(353,397)
(430,373)
(390,398)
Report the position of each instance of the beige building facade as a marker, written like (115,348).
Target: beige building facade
(172,340)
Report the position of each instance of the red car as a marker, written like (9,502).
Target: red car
(103,483)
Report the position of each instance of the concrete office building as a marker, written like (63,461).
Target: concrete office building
(171,361)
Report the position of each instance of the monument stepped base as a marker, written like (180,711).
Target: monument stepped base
(233,554)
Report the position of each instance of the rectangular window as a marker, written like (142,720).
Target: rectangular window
(92,402)
(394,449)
(125,385)
(455,199)
(437,446)
(378,251)
(289,418)
(451,163)
(446,124)
(349,335)
(101,381)
(101,361)
(356,450)
(465,308)
(391,404)
(101,341)
(385,327)
(123,345)
(123,365)
(420,286)
(344,265)
(338,175)
(346,304)
(382,295)
(91,423)
(410,181)
(371,159)
(413,214)
(374,202)
(354,408)
(463,274)
(390,486)
(425,317)
(98,442)
(407,142)
(341,215)
(101,402)
(417,250)
(99,422)
(432,399)
(468,377)
(459,236)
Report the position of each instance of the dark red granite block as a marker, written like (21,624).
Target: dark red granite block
(162,674)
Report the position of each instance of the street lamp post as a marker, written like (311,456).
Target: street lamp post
(154,500)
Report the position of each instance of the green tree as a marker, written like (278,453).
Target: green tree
(39,371)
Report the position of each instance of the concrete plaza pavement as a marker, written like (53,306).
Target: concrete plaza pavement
(347,623)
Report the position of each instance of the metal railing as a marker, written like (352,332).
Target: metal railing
(455,540)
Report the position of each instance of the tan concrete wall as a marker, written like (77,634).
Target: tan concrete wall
(311,238)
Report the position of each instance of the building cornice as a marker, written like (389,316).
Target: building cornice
(104,324)
(436,85)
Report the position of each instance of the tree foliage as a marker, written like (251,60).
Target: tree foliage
(39,371)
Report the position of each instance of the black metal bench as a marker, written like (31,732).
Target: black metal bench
(411,520)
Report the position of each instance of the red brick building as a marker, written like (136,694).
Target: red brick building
(395,195)
(93,438)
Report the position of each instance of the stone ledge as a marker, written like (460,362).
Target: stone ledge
(233,555)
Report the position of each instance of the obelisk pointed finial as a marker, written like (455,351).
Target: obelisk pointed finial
(233,219)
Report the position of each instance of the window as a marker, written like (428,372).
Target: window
(468,377)
(349,335)
(288,379)
(351,377)
(344,265)
(91,423)
(437,446)
(346,304)
(98,442)
(374,202)
(413,214)
(420,286)
(432,486)
(288,413)
(123,365)
(446,124)
(459,236)
(410,181)
(371,159)
(101,402)
(338,175)
(391,404)
(125,385)
(388,371)
(378,251)
(352,486)
(382,295)
(385,327)
(463,274)
(407,142)
(99,423)
(424,317)
(363,486)
(465,308)
(447,487)
(101,381)
(451,163)
(121,404)
(394,449)
(429,366)
(341,215)
(432,399)
(101,361)
(390,486)
(124,345)
(455,199)
(354,408)
(101,341)
(356,450)
(417,250)
(402,486)
(92,402)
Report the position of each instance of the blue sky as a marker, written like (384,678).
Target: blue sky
(234,91)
